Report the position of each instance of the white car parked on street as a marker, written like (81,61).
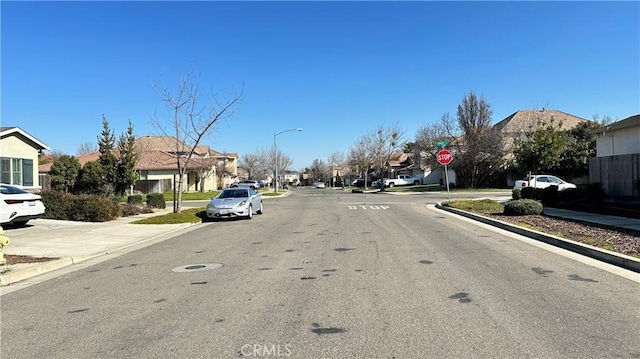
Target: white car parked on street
(543,181)
(235,202)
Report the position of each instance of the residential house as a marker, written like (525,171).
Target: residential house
(404,163)
(617,163)
(19,153)
(522,121)
(207,169)
(291,177)
(157,165)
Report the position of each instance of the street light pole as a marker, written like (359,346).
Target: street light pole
(275,154)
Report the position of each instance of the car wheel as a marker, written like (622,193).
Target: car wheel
(250,215)
(392,184)
(260,209)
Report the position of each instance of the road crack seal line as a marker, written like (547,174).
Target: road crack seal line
(329,330)
(580,279)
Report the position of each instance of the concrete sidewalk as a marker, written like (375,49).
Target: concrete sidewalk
(604,221)
(74,242)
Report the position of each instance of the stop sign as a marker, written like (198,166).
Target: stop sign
(444,157)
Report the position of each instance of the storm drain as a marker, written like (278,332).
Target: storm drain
(196,267)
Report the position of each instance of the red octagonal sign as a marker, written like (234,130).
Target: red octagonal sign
(444,157)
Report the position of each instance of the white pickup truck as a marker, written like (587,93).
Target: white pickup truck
(401,180)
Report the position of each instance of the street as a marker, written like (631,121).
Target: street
(330,274)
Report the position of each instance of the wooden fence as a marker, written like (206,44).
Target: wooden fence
(618,175)
(45,181)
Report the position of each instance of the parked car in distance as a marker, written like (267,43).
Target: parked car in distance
(17,206)
(235,202)
(319,185)
(246,184)
(543,181)
(358,182)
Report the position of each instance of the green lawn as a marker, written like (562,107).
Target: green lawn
(191,215)
(475,205)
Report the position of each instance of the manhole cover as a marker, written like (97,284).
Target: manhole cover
(196,267)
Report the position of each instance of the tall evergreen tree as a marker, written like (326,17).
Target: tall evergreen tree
(107,159)
(127,175)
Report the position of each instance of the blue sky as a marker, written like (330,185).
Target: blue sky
(335,69)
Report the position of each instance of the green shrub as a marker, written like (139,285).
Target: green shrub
(595,193)
(156,200)
(85,208)
(526,192)
(522,207)
(135,199)
(569,195)
(57,204)
(130,209)
(531,193)
(515,193)
(549,195)
(91,208)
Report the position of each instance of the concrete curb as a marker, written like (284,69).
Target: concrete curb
(617,259)
(11,277)
(25,273)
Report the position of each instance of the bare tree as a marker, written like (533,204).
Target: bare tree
(604,120)
(384,142)
(188,122)
(424,146)
(479,148)
(87,148)
(253,163)
(319,169)
(222,169)
(359,157)
(55,154)
(336,164)
(284,162)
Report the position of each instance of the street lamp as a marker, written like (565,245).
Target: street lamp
(275,153)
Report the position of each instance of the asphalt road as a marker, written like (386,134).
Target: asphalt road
(326,274)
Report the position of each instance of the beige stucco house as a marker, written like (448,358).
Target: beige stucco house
(19,158)
(619,138)
(207,170)
(617,163)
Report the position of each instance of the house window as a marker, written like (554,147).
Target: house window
(16,171)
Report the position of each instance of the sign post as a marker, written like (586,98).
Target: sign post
(445,157)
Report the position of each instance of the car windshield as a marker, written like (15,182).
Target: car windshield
(234,193)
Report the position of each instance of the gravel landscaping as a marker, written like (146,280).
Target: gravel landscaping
(621,242)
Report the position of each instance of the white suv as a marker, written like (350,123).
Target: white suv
(543,181)
(246,184)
